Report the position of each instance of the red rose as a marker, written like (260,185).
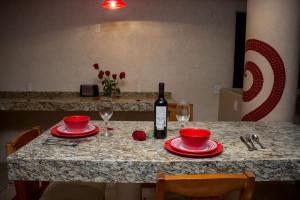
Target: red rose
(96,66)
(107,73)
(100,75)
(122,75)
(139,135)
(114,76)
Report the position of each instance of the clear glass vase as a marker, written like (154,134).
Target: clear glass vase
(112,92)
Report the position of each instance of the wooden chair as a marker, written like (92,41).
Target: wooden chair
(206,186)
(172,111)
(32,190)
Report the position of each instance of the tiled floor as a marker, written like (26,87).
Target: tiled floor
(6,191)
(3,175)
(277,191)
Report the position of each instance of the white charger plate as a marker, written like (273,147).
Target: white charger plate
(177,144)
(65,130)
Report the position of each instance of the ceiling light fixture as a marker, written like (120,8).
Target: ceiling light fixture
(113,4)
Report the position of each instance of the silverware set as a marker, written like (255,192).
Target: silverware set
(248,141)
(65,142)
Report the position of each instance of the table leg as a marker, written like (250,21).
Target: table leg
(130,191)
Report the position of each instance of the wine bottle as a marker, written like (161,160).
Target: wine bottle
(160,114)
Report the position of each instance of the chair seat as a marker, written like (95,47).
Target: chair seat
(74,191)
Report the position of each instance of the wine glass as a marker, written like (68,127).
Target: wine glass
(105,109)
(182,112)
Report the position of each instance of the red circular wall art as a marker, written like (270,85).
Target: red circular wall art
(277,66)
(258,80)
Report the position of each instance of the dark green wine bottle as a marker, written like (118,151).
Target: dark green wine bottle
(160,114)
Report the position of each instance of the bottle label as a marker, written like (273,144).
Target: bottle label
(161,117)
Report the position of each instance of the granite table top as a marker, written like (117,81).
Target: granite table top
(71,101)
(121,159)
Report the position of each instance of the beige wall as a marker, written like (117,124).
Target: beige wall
(188,44)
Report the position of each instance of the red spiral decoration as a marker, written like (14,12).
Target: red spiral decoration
(277,66)
(258,80)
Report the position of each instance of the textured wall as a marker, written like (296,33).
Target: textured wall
(188,44)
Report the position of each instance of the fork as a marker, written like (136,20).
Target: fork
(72,144)
(245,142)
(248,139)
(60,142)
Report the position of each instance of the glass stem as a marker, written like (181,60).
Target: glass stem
(106,125)
(106,131)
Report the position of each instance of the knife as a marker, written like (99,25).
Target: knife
(245,142)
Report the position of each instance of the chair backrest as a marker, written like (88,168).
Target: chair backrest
(26,189)
(172,112)
(206,185)
(22,139)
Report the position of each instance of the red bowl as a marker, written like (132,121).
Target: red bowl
(76,123)
(194,138)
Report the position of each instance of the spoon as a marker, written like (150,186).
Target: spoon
(256,139)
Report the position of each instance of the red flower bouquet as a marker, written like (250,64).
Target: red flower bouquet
(109,82)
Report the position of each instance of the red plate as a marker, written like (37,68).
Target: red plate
(64,130)
(55,133)
(194,155)
(177,144)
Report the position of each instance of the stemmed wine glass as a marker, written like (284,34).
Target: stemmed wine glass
(105,109)
(182,112)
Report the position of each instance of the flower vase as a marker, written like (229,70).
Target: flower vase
(107,92)
(111,92)
(116,92)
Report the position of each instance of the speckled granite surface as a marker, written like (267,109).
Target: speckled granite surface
(70,101)
(121,159)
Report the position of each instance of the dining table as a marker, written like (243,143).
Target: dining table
(121,159)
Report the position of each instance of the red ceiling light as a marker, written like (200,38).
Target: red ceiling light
(113,4)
